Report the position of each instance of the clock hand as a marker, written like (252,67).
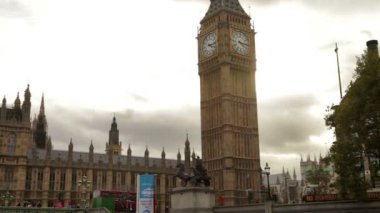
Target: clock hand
(242,43)
(212,44)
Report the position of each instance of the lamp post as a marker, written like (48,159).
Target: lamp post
(83,183)
(7,197)
(267,172)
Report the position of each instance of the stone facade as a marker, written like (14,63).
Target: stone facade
(227,65)
(32,171)
(284,188)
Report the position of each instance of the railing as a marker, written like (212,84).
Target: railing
(50,210)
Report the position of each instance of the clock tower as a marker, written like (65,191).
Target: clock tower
(227,66)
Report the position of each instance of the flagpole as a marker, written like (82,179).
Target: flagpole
(337,61)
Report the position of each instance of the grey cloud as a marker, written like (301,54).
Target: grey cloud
(285,125)
(12,9)
(155,129)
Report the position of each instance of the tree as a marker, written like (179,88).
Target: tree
(320,177)
(356,124)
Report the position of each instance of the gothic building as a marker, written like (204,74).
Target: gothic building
(227,66)
(285,188)
(31,170)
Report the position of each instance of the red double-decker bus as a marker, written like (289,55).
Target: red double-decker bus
(115,201)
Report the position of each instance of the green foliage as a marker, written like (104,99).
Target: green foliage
(356,121)
(318,176)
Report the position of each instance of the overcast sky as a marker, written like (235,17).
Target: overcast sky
(138,59)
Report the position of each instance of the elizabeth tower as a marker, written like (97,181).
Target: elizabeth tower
(227,66)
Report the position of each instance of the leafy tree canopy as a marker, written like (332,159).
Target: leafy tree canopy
(356,124)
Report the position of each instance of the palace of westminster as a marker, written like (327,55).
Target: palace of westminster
(32,171)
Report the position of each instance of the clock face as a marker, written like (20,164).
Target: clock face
(240,42)
(209,44)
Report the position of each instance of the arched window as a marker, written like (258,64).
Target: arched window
(11,144)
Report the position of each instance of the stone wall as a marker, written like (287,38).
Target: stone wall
(326,207)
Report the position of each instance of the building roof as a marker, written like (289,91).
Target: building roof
(229,5)
(61,155)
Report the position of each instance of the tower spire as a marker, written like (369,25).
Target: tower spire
(41,126)
(114,145)
(224,5)
(42,106)
(187,154)
(26,105)
(226,33)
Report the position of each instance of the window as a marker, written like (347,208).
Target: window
(122,181)
(63,180)
(52,179)
(94,180)
(74,180)
(114,183)
(12,144)
(28,182)
(104,179)
(8,176)
(40,178)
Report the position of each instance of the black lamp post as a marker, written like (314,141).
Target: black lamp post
(267,172)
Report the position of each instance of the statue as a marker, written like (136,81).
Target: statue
(199,174)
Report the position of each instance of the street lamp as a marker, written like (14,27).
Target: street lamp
(267,172)
(84,183)
(7,197)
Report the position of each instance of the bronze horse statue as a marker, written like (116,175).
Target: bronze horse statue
(199,175)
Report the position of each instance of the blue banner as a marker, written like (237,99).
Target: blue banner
(145,196)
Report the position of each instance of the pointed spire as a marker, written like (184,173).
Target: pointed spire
(41,127)
(91,147)
(70,153)
(178,157)
(27,94)
(228,5)
(129,155)
(129,151)
(71,146)
(17,101)
(283,170)
(301,158)
(3,115)
(42,106)
(163,153)
(91,154)
(187,142)
(294,174)
(113,138)
(308,157)
(187,154)
(146,157)
(146,151)
(26,106)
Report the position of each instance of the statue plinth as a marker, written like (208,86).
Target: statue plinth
(192,199)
